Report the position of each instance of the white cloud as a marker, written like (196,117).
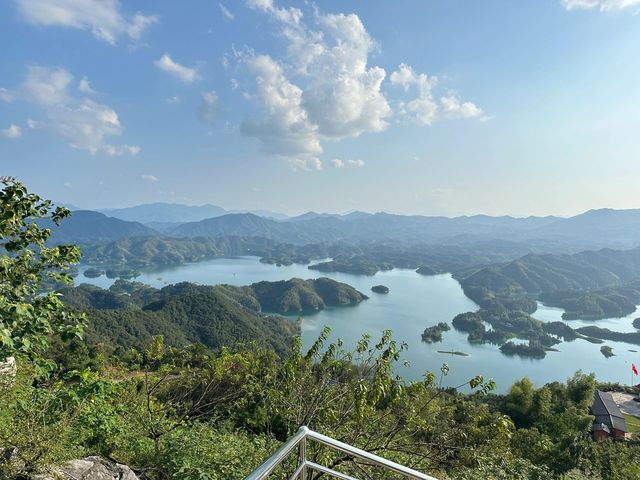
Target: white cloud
(288,15)
(185,74)
(32,124)
(12,132)
(337,163)
(324,88)
(103,18)
(602,5)
(148,177)
(83,123)
(85,87)
(424,109)
(174,100)
(226,13)
(285,129)
(454,108)
(6,95)
(209,108)
(117,150)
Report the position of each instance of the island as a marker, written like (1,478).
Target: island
(302,296)
(93,272)
(607,351)
(434,333)
(426,270)
(530,350)
(380,289)
(636,323)
(454,352)
(126,273)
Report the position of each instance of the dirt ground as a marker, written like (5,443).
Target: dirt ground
(626,403)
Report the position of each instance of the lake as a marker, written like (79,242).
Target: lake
(415,302)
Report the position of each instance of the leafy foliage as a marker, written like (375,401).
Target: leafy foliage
(27,318)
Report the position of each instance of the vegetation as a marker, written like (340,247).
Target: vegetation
(297,295)
(606,334)
(426,270)
(531,349)
(434,333)
(607,351)
(29,320)
(130,314)
(380,289)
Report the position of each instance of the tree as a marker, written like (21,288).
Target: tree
(30,316)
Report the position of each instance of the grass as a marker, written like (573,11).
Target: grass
(633,423)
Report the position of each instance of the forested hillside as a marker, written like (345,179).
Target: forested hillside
(596,283)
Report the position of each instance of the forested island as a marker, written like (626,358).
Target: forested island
(434,333)
(380,289)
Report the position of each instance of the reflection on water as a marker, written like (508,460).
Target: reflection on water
(415,302)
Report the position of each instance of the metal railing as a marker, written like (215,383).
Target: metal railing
(304,466)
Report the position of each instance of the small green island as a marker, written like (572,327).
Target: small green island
(125,273)
(530,350)
(380,289)
(434,333)
(607,351)
(92,272)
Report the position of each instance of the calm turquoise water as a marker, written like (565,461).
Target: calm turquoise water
(415,302)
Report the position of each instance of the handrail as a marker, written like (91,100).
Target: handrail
(299,440)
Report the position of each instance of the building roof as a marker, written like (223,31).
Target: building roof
(607,412)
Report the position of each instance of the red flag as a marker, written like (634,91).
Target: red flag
(634,369)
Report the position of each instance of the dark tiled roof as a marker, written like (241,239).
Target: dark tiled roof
(607,412)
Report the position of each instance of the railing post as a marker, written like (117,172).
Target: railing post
(302,459)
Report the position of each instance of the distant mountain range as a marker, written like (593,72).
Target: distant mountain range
(89,227)
(167,213)
(594,229)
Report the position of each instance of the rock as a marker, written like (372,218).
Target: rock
(380,289)
(90,468)
(8,368)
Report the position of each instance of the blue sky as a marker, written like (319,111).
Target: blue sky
(428,106)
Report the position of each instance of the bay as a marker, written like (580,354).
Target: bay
(414,303)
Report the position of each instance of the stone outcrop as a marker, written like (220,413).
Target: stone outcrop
(89,468)
(8,368)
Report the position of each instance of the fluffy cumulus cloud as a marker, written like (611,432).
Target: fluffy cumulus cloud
(424,109)
(285,129)
(12,132)
(83,123)
(185,74)
(602,5)
(325,89)
(103,18)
